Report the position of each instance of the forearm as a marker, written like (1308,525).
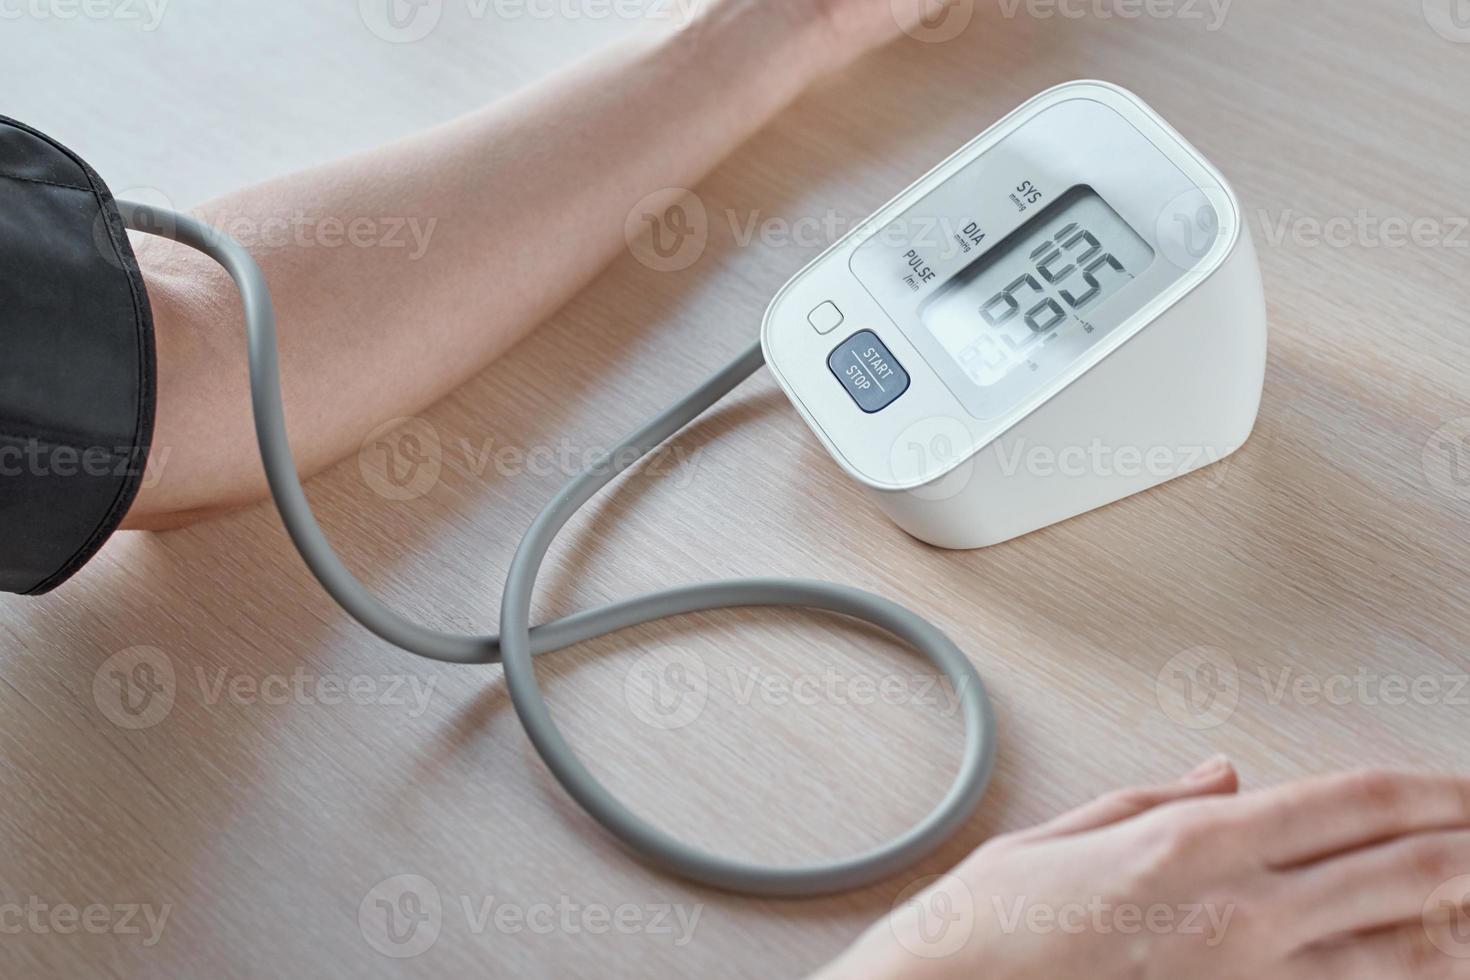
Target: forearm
(507,213)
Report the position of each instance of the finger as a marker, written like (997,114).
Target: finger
(1215,777)
(1312,820)
(1419,951)
(1377,887)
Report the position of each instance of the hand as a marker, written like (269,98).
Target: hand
(835,33)
(858,26)
(1322,879)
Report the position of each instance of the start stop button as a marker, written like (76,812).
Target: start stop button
(869,371)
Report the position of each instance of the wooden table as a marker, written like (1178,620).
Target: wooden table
(1303,607)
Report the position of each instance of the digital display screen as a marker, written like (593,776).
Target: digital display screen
(1026,302)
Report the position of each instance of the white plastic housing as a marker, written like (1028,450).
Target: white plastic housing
(1185,389)
(1173,387)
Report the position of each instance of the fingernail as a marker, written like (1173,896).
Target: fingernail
(1208,769)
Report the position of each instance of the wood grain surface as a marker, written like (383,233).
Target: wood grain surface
(1304,606)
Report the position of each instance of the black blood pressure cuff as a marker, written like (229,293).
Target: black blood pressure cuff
(77,370)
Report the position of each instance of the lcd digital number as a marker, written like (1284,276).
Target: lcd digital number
(1006,310)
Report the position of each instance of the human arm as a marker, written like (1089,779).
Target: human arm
(520,204)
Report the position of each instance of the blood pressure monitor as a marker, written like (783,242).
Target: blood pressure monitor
(1067,311)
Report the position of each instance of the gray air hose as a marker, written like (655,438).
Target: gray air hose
(518,642)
